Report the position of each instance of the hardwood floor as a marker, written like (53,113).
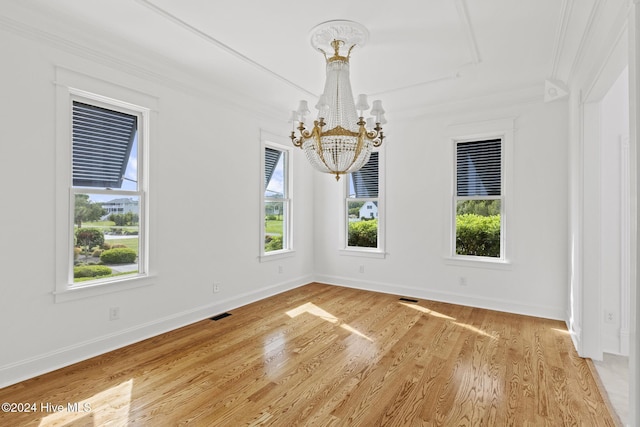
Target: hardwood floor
(326,355)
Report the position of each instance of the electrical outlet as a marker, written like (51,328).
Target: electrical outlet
(362,269)
(280,269)
(462,281)
(114,313)
(609,317)
(216,287)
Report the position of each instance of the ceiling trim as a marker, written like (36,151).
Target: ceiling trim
(460,7)
(197,87)
(586,35)
(39,35)
(561,33)
(611,48)
(452,76)
(519,96)
(472,42)
(169,16)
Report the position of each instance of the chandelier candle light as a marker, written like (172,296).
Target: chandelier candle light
(347,142)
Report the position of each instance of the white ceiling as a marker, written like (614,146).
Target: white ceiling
(421,53)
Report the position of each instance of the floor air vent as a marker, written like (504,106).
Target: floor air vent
(220,316)
(409,300)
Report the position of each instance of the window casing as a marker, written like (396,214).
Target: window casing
(276,212)
(364,209)
(102,105)
(478,202)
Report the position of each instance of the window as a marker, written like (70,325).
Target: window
(102,197)
(479,198)
(363,207)
(276,200)
(107,192)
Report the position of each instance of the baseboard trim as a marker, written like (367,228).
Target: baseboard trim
(65,356)
(448,297)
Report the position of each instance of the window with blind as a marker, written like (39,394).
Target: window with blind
(479,198)
(363,205)
(107,192)
(276,201)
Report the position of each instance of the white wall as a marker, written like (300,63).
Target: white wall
(419,179)
(205,201)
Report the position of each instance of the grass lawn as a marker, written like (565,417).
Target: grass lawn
(98,224)
(273,227)
(108,225)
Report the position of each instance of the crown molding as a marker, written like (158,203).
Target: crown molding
(612,38)
(122,61)
(561,33)
(38,35)
(584,40)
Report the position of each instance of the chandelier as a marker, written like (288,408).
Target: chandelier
(340,141)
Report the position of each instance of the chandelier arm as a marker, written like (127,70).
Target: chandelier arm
(297,142)
(304,134)
(379,135)
(378,142)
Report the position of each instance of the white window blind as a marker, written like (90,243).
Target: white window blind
(479,168)
(365,180)
(102,141)
(271,158)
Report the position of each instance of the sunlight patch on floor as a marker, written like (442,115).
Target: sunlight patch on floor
(476,330)
(103,408)
(427,311)
(444,316)
(313,309)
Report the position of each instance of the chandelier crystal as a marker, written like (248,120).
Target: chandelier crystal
(340,141)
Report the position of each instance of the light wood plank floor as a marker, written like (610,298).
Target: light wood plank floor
(327,355)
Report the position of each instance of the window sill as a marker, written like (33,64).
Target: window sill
(73,293)
(478,262)
(367,253)
(276,255)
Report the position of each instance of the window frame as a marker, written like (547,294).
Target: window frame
(72,86)
(273,142)
(379,251)
(457,198)
(502,129)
